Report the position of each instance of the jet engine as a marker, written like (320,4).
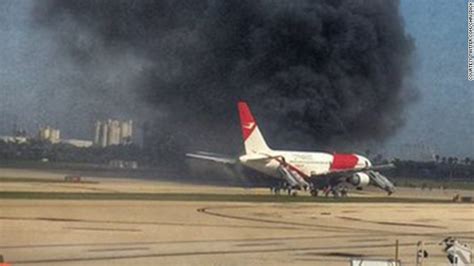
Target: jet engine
(360,179)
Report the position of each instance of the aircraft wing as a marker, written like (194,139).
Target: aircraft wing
(345,172)
(375,177)
(213,157)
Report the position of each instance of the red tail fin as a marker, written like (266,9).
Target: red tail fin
(247,122)
(253,139)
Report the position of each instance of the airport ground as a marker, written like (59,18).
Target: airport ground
(122,221)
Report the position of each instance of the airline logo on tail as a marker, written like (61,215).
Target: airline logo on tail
(249,126)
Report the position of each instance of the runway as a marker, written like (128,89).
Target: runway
(179,232)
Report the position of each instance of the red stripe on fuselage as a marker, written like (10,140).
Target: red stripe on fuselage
(343,161)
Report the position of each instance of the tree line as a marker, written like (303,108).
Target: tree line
(166,151)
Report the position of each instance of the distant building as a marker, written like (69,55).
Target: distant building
(49,134)
(78,142)
(14,139)
(113,132)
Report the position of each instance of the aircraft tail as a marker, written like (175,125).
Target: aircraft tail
(253,139)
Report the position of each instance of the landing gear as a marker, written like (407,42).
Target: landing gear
(327,191)
(338,192)
(335,191)
(344,192)
(275,190)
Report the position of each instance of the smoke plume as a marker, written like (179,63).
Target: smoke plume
(314,72)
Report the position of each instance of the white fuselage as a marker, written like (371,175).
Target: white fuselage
(307,163)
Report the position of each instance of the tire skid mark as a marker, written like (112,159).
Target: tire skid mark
(259,244)
(103,229)
(118,249)
(48,219)
(391,223)
(212,210)
(204,253)
(238,240)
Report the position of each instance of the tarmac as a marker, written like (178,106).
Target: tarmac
(155,232)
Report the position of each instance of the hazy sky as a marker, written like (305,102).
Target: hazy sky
(35,81)
(443,117)
(40,84)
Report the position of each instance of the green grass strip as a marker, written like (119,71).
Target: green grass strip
(206,197)
(40,180)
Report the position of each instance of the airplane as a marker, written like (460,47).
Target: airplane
(297,170)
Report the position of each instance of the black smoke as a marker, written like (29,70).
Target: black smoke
(314,72)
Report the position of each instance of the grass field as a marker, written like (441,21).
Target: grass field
(39,180)
(206,197)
